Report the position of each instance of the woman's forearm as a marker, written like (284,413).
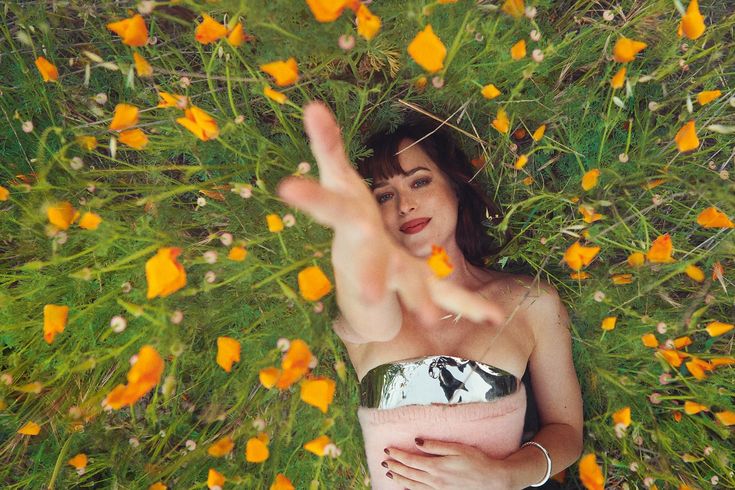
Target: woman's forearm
(527,466)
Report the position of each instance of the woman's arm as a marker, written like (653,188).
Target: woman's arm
(557,393)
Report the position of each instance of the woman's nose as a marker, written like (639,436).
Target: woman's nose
(406,206)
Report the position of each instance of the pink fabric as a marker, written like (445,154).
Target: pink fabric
(494,427)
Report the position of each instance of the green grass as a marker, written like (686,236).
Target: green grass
(148,199)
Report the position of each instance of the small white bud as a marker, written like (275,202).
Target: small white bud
(118,323)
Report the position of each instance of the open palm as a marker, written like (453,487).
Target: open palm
(343,201)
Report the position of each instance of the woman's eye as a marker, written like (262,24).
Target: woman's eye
(423,181)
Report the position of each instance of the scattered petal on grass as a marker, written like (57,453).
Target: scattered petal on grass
(319,392)
(714,218)
(215,479)
(79,461)
(317,445)
(501,122)
(707,96)
(490,91)
(54,321)
(221,447)
(209,30)
(608,323)
(30,429)
(427,50)
(661,249)
(715,329)
(133,30)
(590,473)
(164,274)
(686,138)
(518,50)
(313,283)
(285,72)
(48,70)
(282,483)
(256,451)
(625,49)
(590,178)
(368,24)
(578,256)
(201,124)
(228,352)
(692,22)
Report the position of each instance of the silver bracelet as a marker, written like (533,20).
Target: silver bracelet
(548,461)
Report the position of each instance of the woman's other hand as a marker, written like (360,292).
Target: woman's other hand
(446,465)
(362,247)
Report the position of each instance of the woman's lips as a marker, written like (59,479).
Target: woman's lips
(417,227)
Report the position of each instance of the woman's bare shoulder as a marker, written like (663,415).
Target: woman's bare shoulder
(517,288)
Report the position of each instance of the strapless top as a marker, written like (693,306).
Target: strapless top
(437,379)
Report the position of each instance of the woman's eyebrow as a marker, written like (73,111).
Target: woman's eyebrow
(408,174)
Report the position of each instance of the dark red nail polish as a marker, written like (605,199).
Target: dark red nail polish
(386,450)
(419,441)
(389,474)
(384,464)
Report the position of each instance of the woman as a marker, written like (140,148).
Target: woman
(442,405)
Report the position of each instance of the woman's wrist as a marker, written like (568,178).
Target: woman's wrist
(525,467)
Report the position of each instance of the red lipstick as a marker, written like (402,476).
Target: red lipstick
(415,225)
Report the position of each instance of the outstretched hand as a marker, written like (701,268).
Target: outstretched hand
(342,201)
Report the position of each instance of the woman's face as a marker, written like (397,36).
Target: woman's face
(424,194)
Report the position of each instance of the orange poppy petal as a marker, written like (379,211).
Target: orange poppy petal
(313,283)
(427,50)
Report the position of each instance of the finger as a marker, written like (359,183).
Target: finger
(309,196)
(470,304)
(325,140)
(439,448)
(422,462)
(405,482)
(406,476)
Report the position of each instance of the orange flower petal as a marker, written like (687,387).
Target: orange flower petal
(694,272)
(236,36)
(256,451)
(319,392)
(164,274)
(608,323)
(79,461)
(521,162)
(133,31)
(134,138)
(590,178)
(282,483)
(54,321)
(619,79)
(577,256)
(515,8)
(707,96)
(48,70)
(228,352)
(285,72)
(539,133)
(590,473)
(686,138)
(275,95)
(715,328)
(682,342)
(89,143)
(125,116)
(61,215)
(275,223)
(650,340)
(714,218)
(622,416)
(172,100)
(313,283)
(4,193)
(636,259)
(30,429)
(727,417)
(622,278)
(317,445)
(215,479)
(142,67)
(692,22)
(626,49)
(490,91)
(237,253)
(439,262)
(501,122)
(221,447)
(518,50)
(90,221)
(692,408)
(269,376)
(661,249)
(201,124)
(427,50)
(327,10)
(368,24)
(209,30)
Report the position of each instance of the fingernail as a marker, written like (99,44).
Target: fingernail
(389,474)
(384,464)
(386,450)
(419,441)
